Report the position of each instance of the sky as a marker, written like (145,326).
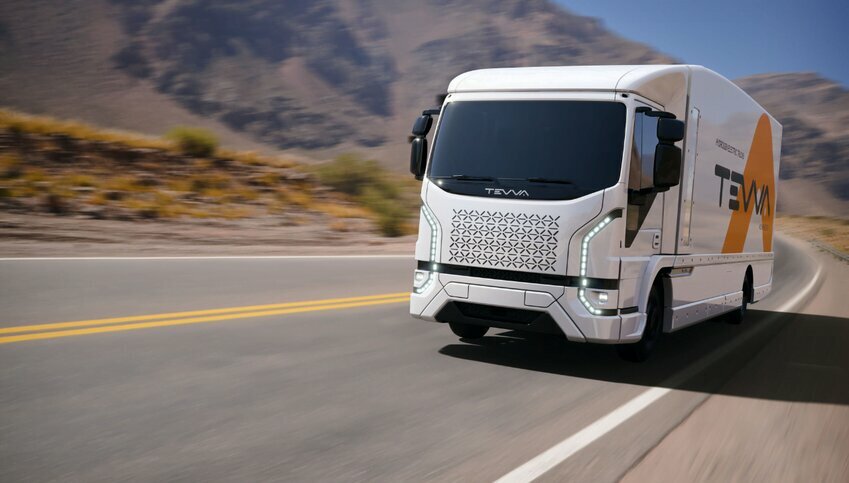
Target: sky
(735,38)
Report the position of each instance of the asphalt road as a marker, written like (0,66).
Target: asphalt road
(339,390)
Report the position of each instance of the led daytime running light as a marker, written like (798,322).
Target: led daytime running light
(585,248)
(434,239)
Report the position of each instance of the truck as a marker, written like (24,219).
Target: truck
(607,204)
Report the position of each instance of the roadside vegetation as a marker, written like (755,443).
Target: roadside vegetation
(64,167)
(831,231)
(390,197)
(193,141)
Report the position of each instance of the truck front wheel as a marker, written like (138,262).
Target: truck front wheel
(639,351)
(468,331)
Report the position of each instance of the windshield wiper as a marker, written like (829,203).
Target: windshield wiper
(550,180)
(464,177)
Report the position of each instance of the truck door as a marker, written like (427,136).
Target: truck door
(644,215)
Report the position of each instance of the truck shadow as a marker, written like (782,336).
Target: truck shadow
(786,356)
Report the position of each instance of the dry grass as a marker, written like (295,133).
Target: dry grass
(339,226)
(124,183)
(20,122)
(301,198)
(79,180)
(8,163)
(179,178)
(252,158)
(831,231)
(16,121)
(337,210)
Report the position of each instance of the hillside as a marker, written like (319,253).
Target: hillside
(58,177)
(308,75)
(815,150)
(324,77)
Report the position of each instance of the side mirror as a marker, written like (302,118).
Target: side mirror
(418,156)
(670,130)
(667,166)
(422,125)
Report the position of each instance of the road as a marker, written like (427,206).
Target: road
(310,369)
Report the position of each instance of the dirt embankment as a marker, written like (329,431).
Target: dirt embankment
(69,188)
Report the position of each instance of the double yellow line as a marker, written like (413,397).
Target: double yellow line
(115,324)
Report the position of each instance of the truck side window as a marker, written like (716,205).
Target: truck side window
(640,173)
(642,151)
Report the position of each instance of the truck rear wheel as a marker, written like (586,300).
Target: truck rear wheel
(468,331)
(639,351)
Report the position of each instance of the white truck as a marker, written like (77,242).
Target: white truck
(609,204)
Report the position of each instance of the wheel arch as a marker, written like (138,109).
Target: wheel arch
(657,270)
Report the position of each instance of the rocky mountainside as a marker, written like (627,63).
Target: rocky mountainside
(815,150)
(308,74)
(319,74)
(321,77)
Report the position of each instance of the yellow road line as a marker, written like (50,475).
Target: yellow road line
(193,313)
(198,320)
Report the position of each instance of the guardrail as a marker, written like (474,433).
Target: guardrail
(837,253)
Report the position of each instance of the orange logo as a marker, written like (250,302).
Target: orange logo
(760,167)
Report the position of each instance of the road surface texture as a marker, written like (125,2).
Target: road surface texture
(310,369)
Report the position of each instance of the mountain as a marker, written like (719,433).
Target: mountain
(316,78)
(319,76)
(814,111)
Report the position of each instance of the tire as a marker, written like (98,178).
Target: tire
(736,316)
(640,351)
(468,331)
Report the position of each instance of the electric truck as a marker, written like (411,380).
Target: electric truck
(608,204)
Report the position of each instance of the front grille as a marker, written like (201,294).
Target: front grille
(519,241)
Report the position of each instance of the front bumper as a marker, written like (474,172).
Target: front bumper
(560,303)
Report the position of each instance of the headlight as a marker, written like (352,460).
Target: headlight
(420,278)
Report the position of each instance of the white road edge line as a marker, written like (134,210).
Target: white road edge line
(223,257)
(560,452)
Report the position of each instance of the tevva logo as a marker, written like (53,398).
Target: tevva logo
(503,192)
(737,191)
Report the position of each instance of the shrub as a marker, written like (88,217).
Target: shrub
(391,215)
(384,194)
(209,181)
(350,174)
(193,141)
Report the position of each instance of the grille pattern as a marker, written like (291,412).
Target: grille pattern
(504,240)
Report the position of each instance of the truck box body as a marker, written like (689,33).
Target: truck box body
(541,207)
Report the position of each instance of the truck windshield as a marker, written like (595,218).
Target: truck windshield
(529,149)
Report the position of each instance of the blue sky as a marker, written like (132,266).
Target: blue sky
(735,38)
